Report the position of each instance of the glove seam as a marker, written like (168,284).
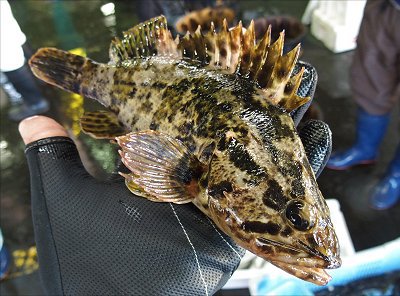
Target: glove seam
(47,141)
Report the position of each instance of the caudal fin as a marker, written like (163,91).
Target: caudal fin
(58,67)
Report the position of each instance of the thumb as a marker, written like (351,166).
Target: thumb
(39,127)
(58,184)
(52,156)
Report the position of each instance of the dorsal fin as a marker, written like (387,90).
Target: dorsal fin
(231,51)
(145,39)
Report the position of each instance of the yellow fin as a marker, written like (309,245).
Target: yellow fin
(137,189)
(161,166)
(102,125)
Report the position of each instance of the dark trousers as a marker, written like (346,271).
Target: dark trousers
(375,72)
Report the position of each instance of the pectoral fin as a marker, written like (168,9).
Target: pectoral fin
(162,167)
(102,125)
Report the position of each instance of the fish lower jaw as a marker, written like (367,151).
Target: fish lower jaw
(314,275)
(295,255)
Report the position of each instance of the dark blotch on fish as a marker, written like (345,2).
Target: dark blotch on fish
(298,189)
(154,126)
(188,170)
(291,168)
(132,92)
(159,85)
(189,142)
(216,190)
(267,249)
(260,227)
(281,73)
(223,52)
(222,143)
(245,94)
(286,232)
(311,241)
(242,159)
(146,107)
(207,152)
(274,197)
(185,128)
(122,81)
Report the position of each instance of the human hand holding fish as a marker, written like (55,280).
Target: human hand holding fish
(151,247)
(208,120)
(93,238)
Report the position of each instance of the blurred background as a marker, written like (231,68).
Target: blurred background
(87,27)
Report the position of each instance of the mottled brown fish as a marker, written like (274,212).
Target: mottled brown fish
(205,119)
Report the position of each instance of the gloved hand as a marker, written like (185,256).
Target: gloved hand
(97,238)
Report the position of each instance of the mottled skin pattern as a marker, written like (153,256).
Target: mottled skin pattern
(258,167)
(258,186)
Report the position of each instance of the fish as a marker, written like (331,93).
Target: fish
(205,118)
(204,17)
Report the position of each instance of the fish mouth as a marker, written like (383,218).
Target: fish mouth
(301,254)
(301,260)
(314,275)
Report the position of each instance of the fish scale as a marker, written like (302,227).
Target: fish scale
(205,118)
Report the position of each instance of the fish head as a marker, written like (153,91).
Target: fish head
(263,193)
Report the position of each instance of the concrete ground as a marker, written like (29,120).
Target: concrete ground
(333,101)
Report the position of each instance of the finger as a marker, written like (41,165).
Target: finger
(39,127)
(52,156)
(317,140)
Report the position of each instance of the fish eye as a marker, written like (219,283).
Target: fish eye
(296,213)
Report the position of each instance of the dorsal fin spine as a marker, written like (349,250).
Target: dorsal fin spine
(236,35)
(200,51)
(274,52)
(223,46)
(247,52)
(283,67)
(295,81)
(227,43)
(230,51)
(261,53)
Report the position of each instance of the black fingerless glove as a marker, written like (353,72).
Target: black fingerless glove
(97,238)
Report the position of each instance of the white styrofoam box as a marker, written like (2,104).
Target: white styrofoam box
(336,23)
(259,267)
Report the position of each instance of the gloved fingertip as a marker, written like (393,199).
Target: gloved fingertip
(40,127)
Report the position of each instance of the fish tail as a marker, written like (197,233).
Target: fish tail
(59,68)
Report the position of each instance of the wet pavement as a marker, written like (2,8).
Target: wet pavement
(81,24)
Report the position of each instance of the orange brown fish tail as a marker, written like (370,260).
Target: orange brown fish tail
(59,68)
